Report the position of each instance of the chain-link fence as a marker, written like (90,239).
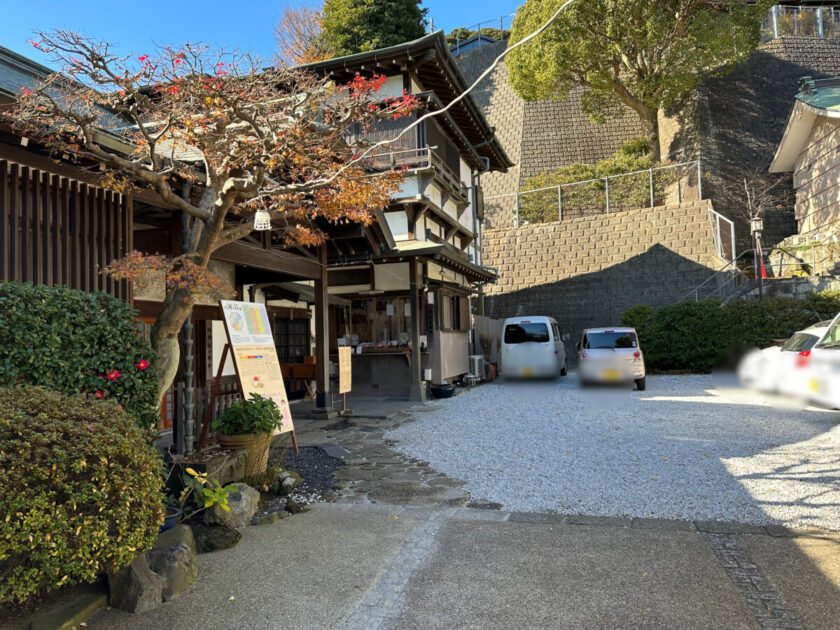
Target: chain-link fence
(658,186)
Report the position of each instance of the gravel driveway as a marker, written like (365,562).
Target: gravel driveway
(690,447)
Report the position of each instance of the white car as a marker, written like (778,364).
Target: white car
(611,355)
(822,372)
(783,369)
(532,347)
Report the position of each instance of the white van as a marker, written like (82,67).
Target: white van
(532,347)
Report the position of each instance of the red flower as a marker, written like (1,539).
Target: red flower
(100,394)
(113,375)
(142,364)
(143,58)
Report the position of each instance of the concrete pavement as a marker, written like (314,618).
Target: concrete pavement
(385,566)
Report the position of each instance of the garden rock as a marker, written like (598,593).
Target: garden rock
(293,507)
(268,519)
(243,505)
(181,533)
(136,588)
(177,565)
(210,538)
(286,486)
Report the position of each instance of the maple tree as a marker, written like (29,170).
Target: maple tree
(218,138)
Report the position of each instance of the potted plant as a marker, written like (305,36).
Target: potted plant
(249,425)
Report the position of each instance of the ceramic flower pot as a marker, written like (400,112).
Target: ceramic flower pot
(171,518)
(257,445)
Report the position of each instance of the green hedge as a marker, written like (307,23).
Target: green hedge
(700,336)
(70,341)
(80,490)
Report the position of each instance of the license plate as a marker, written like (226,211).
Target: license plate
(814,385)
(611,375)
(527,372)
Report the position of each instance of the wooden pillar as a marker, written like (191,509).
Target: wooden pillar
(322,351)
(418,390)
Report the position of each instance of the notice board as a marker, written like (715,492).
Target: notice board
(255,355)
(345,369)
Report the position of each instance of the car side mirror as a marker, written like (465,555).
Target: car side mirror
(578,345)
(564,336)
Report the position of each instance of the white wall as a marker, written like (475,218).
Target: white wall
(219,341)
(398,224)
(392,277)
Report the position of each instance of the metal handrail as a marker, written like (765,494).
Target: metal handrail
(734,270)
(424,157)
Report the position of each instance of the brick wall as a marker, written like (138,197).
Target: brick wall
(586,272)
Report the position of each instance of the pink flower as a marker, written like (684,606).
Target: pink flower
(113,375)
(142,364)
(100,394)
(121,406)
(142,58)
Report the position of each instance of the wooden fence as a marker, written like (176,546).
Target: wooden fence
(55,230)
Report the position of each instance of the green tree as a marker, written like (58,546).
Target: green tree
(645,54)
(352,26)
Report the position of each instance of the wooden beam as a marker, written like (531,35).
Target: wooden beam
(374,246)
(417,391)
(322,333)
(282,262)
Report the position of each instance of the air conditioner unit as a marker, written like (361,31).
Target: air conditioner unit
(477,366)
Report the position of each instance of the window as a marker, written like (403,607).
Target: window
(291,337)
(526,333)
(800,342)
(455,312)
(832,337)
(609,340)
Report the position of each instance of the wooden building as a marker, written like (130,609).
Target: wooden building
(406,308)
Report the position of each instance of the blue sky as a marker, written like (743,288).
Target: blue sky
(137,27)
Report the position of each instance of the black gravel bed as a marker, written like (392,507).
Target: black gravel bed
(312,464)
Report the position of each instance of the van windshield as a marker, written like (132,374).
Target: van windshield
(609,340)
(524,333)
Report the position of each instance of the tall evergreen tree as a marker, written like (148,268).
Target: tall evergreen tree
(352,26)
(645,54)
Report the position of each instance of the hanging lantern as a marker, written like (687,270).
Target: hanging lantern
(262,221)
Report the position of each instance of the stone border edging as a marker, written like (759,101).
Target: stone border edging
(550,518)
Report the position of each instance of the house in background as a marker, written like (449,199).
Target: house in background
(406,309)
(808,149)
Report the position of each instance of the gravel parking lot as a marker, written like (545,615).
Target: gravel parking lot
(690,447)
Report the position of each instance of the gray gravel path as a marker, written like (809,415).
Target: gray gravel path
(690,447)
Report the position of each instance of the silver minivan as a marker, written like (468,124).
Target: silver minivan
(532,347)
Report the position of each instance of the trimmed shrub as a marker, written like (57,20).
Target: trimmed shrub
(700,336)
(81,490)
(70,341)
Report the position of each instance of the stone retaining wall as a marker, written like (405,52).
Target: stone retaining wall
(586,272)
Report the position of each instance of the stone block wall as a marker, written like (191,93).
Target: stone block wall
(587,272)
(504,111)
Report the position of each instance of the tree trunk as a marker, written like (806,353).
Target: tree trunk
(650,123)
(177,307)
(648,115)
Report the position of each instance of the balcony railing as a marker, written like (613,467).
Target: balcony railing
(800,21)
(420,160)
